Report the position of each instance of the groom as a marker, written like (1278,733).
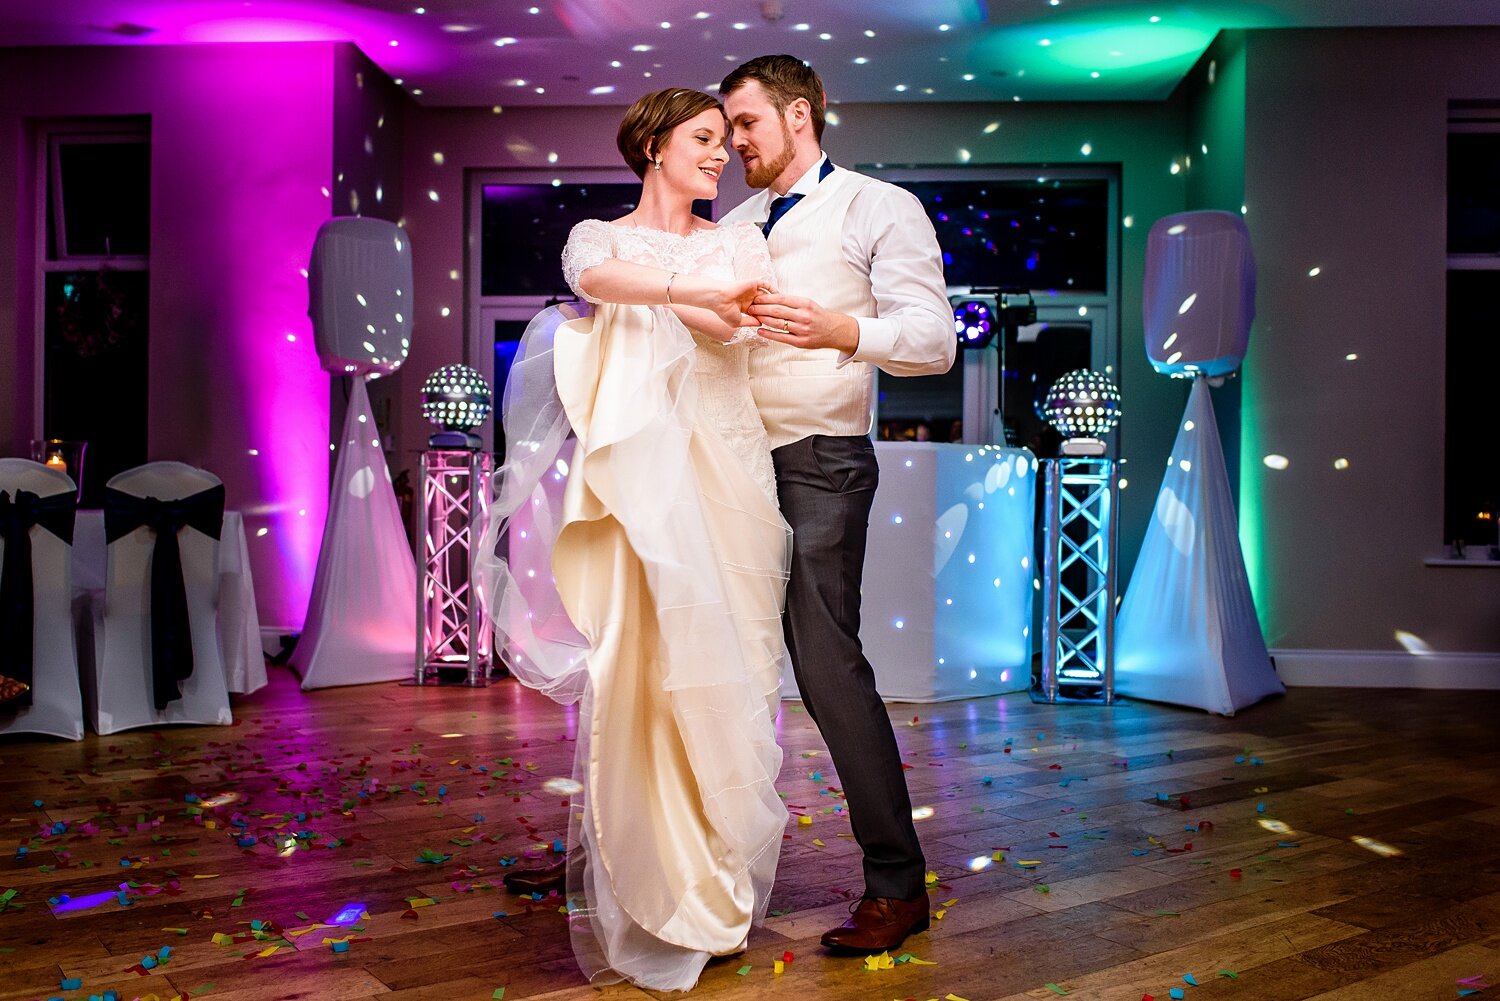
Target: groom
(860,280)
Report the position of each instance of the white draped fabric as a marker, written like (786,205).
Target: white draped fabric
(1187,631)
(117,673)
(57,700)
(361,624)
(670,565)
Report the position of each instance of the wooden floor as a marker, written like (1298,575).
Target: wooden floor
(1332,844)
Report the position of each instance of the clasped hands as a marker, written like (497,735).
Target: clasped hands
(790,319)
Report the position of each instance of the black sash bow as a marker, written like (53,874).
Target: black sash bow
(171,634)
(17,601)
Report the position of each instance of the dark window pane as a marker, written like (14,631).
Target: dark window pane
(524,228)
(1474,192)
(106,198)
(1035,357)
(1471,477)
(95,388)
(1048,235)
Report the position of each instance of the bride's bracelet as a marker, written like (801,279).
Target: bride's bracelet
(670,279)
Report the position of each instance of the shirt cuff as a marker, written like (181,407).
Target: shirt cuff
(877,340)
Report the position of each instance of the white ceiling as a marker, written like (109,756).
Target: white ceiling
(488,52)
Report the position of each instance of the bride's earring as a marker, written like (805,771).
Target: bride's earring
(658,164)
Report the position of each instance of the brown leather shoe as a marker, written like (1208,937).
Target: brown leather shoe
(538,879)
(878,924)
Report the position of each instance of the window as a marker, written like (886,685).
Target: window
(1052,230)
(1471,481)
(94,290)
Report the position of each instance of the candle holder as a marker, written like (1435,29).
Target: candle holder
(59,453)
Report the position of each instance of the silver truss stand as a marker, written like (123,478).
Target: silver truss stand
(453,633)
(1078,582)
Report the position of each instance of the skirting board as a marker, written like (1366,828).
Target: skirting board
(1387,669)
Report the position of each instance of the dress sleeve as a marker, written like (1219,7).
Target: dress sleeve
(752,258)
(591,242)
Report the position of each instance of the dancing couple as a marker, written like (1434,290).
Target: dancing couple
(719,387)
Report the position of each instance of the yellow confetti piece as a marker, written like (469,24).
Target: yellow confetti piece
(271,951)
(221,939)
(881,962)
(819,842)
(1262,788)
(950,903)
(420,901)
(205,875)
(914,961)
(331,941)
(1029,862)
(777,966)
(299,932)
(954,997)
(997,856)
(804,821)
(937,915)
(932,879)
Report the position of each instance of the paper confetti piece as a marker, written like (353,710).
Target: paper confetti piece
(819,842)
(742,971)
(954,997)
(1177,993)
(804,821)
(1189,978)
(883,961)
(777,966)
(1057,990)
(1230,974)
(70,983)
(498,994)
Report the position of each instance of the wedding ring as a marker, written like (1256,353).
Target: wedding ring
(786,326)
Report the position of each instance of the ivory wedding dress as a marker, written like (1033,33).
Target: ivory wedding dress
(670,557)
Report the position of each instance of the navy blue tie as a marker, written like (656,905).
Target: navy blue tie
(779,207)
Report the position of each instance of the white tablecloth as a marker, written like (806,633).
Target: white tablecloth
(239,625)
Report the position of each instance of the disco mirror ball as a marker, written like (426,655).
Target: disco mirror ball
(456,398)
(1082,404)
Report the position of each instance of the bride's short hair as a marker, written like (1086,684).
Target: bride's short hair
(784,79)
(645,127)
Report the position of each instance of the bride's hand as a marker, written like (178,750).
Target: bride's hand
(728,300)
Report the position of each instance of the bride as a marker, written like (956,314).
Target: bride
(669,556)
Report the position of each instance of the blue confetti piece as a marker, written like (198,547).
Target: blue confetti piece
(557,846)
(1162,797)
(816,776)
(71,983)
(1177,993)
(988,780)
(1041,736)
(1256,761)
(1139,851)
(37,803)
(148,962)
(1240,760)
(164,953)
(1064,782)
(340,946)
(442,791)
(1260,808)
(1189,978)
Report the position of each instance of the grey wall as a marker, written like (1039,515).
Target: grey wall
(1345,157)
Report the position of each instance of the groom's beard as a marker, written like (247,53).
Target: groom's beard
(766,171)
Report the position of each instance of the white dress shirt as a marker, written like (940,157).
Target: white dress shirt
(888,237)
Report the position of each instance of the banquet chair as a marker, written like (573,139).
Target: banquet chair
(149,666)
(55,700)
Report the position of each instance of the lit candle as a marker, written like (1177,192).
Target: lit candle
(55,461)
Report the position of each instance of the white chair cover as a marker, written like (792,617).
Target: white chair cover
(57,701)
(361,624)
(118,680)
(1187,632)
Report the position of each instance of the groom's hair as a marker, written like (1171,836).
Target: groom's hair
(645,127)
(784,79)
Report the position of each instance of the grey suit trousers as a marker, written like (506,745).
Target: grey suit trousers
(826,485)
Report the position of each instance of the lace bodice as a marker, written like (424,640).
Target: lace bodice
(722,370)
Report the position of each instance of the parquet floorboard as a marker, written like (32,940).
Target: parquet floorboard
(411,802)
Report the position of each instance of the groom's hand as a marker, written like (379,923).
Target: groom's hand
(802,323)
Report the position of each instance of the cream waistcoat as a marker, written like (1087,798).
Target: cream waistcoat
(799,392)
